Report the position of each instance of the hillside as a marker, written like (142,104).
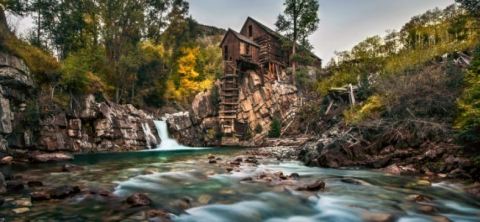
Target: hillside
(393,102)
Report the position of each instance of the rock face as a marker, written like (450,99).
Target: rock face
(48,134)
(98,127)
(339,147)
(16,87)
(259,103)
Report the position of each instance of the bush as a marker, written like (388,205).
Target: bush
(43,66)
(275,128)
(258,129)
(468,120)
(372,106)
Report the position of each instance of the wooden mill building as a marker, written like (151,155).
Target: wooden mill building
(255,47)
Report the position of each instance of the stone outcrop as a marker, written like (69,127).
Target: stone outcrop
(259,103)
(49,134)
(345,147)
(183,130)
(16,87)
(98,127)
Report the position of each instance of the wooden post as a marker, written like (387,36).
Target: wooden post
(352,95)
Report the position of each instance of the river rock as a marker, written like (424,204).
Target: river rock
(40,196)
(34,183)
(440,219)
(71,168)
(418,198)
(378,217)
(51,157)
(314,186)
(21,210)
(183,203)
(6,160)
(23,202)
(63,192)
(204,199)
(427,209)
(138,200)
(15,185)
(294,176)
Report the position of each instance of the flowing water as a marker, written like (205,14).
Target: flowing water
(171,177)
(167,143)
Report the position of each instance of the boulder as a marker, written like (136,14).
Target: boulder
(15,186)
(203,106)
(6,160)
(139,200)
(34,183)
(71,168)
(314,186)
(40,196)
(65,191)
(21,210)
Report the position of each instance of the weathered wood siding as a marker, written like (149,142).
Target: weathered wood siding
(270,46)
(233,44)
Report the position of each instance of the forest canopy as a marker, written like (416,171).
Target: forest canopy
(142,52)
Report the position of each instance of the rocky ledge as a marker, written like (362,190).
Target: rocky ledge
(33,129)
(339,147)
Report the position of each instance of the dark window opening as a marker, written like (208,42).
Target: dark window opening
(225,52)
(250,31)
(248,50)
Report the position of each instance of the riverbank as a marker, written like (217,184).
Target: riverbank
(222,185)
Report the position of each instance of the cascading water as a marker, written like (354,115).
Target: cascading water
(149,137)
(168,143)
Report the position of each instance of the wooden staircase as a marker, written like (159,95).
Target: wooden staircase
(229,95)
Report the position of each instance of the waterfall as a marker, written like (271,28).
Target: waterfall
(149,137)
(168,143)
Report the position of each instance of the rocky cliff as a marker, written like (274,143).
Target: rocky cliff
(98,127)
(16,87)
(87,126)
(259,103)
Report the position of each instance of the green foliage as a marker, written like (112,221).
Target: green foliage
(275,128)
(373,106)
(300,19)
(422,39)
(473,6)
(258,129)
(78,72)
(44,67)
(468,121)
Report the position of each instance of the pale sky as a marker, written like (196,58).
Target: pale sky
(343,23)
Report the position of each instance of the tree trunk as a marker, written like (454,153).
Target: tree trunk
(294,63)
(294,47)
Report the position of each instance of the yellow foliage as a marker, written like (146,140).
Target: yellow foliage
(189,82)
(153,51)
(373,105)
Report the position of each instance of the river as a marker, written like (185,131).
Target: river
(176,177)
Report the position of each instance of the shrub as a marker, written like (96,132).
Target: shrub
(468,120)
(275,128)
(258,129)
(43,66)
(372,106)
